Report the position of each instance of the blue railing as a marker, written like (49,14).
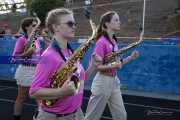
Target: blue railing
(156,70)
(7,70)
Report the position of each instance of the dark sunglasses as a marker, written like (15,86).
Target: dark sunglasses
(70,23)
(33,25)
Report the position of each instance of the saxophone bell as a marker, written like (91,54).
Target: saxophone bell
(74,78)
(76,81)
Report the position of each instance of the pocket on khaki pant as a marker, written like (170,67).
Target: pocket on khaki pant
(45,116)
(99,85)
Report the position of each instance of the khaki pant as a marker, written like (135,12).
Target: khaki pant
(42,115)
(105,89)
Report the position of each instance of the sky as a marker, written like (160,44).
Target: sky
(9,2)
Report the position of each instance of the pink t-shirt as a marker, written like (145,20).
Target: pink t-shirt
(19,48)
(103,48)
(49,63)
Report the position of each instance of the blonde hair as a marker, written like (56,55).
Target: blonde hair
(54,15)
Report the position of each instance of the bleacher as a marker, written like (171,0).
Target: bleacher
(130,11)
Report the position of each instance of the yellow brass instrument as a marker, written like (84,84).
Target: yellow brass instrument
(62,74)
(111,57)
(31,41)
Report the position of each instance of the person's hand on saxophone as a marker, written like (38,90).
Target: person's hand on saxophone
(116,64)
(68,88)
(30,50)
(33,46)
(134,55)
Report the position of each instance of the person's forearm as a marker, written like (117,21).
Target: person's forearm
(48,93)
(126,60)
(89,72)
(92,70)
(105,67)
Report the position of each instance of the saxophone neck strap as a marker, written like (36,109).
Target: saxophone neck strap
(57,48)
(108,39)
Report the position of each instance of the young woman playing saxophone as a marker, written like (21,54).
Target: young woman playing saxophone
(61,24)
(27,61)
(106,85)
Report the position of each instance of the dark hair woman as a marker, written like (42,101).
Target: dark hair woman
(106,85)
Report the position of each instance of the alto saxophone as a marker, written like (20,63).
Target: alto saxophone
(31,41)
(111,57)
(59,77)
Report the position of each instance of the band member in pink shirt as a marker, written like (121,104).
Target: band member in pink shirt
(27,61)
(44,38)
(61,24)
(106,85)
